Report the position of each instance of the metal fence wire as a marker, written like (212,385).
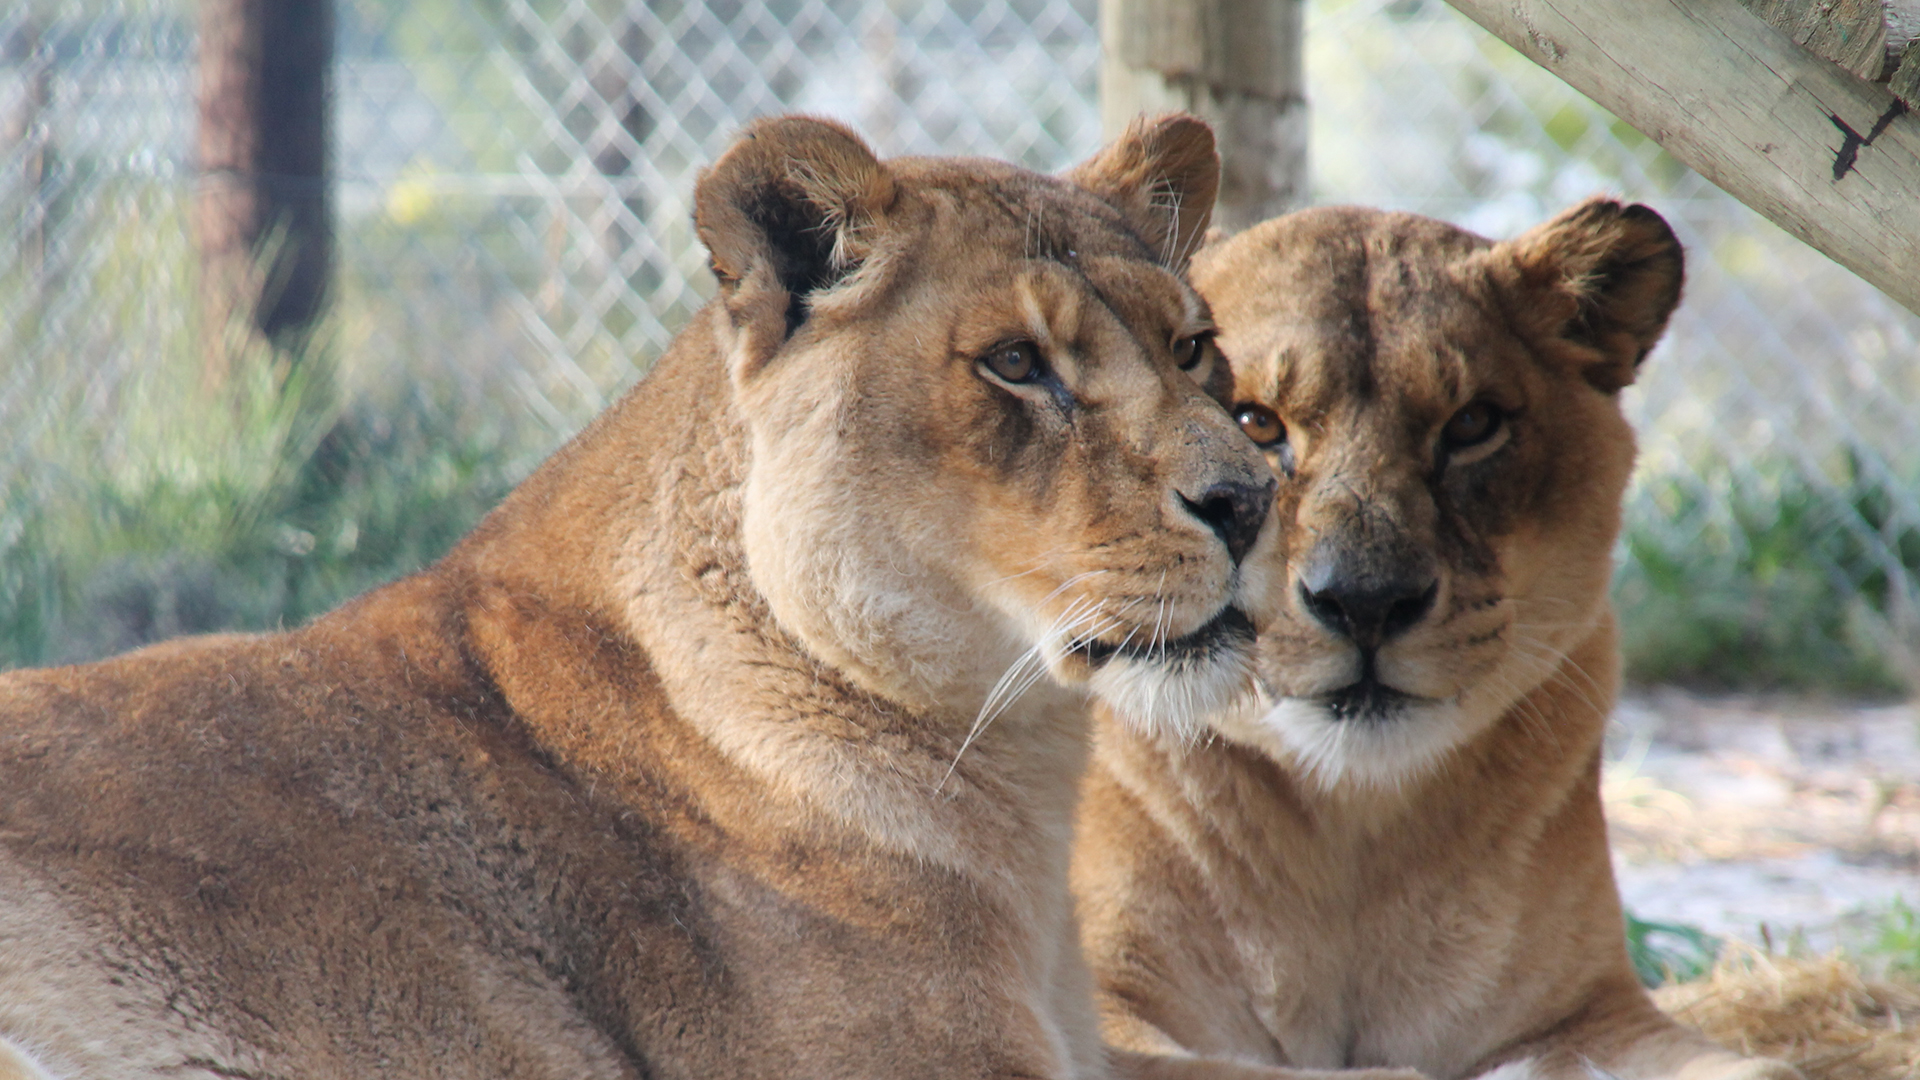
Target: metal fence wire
(512,182)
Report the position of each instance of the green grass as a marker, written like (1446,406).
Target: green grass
(1762,579)
(1883,941)
(138,503)
(267,508)
(1669,952)
(1894,940)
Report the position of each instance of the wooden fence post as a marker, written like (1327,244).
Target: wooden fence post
(262,217)
(1237,63)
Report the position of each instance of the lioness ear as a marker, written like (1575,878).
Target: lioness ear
(787,211)
(1601,275)
(1162,175)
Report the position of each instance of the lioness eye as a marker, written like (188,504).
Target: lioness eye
(1015,363)
(1261,424)
(1471,426)
(1190,350)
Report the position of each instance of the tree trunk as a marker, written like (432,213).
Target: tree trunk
(1235,63)
(262,219)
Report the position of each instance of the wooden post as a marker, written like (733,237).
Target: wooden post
(262,216)
(1829,157)
(1236,63)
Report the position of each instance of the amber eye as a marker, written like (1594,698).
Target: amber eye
(1189,351)
(1018,362)
(1261,424)
(1471,426)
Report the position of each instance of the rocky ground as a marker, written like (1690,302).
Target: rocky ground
(1764,818)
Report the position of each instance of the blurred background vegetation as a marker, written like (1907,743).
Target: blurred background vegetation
(513,248)
(139,503)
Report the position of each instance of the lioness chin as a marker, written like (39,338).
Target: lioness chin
(659,773)
(1397,857)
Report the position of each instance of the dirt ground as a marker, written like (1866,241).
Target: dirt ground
(1762,818)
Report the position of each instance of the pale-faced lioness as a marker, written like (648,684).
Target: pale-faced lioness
(658,774)
(1398,857)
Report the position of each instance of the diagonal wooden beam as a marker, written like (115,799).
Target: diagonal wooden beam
(1831,158)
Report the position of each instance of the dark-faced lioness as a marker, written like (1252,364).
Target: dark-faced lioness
(658,774)
(1398,857)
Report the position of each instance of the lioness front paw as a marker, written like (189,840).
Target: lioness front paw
(1128,1066)
(1717,1066)
(1739,1069)
(1513,1070)
(1347,1074)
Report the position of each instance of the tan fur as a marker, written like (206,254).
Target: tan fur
(660,772)
(1349,876)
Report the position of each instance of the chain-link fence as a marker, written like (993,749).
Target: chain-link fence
(512,183)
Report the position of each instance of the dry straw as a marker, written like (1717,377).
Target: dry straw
(1822,1015)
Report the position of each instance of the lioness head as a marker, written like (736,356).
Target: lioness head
(975,428)
(1444,415)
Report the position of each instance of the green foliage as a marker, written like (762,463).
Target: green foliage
(1764,579)
(1669,952)
(139,502)
(1896,939)
(262,511)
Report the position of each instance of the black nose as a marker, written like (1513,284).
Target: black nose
(1235,511)
(1366,603)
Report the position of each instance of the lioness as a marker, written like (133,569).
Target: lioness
(659,772)
(1398,857)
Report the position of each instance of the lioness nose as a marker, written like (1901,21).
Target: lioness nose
(1235,511)
(1367,603)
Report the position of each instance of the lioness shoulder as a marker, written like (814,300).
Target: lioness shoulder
(1396,855)
(659,773)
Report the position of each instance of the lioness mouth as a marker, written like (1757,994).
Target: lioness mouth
(1367,699)
(1229,629)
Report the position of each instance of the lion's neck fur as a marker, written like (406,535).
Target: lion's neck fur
(652,493)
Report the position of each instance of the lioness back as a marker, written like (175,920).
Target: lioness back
(694,759)
(1397,856)
(228,854)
